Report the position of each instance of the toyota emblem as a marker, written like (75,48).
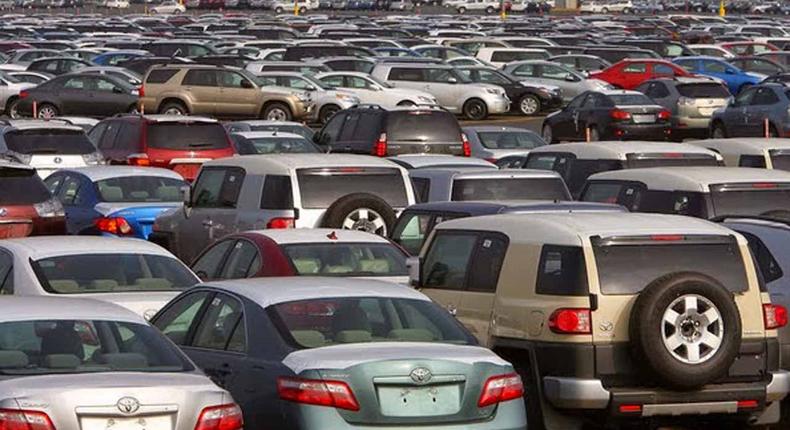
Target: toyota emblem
(58,160)
(3,211)
(128,405)
(421,375)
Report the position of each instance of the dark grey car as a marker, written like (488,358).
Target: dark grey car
(746,115)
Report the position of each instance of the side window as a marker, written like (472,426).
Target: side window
(208,265)
(69,191)
(525,70)
(561,271)
(331,130)
(96,132)
(663,70)
(231,187)
(334,81)
(592,101)
(128,137)
(553,72)
(764,97)
(659,91)
(402,74)
(714,67)
(577,102)
(104,85)
(540,161)
(53,182)
(348,128)
(176,321)
(6,273)
(241,260)
(488,260)
(108,139)
(635,68)
(75,83)
(745,97)
(602,192)
(217,327)
(410,232)
(218,187)
(200,78)
(752,161)
(766,262)
(422,189)
(448,260)
(277,192)
(440,76)
(232,80)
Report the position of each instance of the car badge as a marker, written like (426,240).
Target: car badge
(58,160)
(3,211)
(421,375)
(128,405)
(607,326)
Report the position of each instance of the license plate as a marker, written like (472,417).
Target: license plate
(10,230)
(642,119)
(156,422)
(706,111)
(434,400)
(188,171)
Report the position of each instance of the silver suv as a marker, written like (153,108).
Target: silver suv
(453,91)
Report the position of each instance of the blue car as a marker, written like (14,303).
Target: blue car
(735,78)
(115,200)
(114,58)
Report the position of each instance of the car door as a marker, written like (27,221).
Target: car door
(408,77)
(202,88)
(74,95)
(109,98)
(238,96)
(366,91)
(759,110)
(566,123)
(74,195)
(444,86)
(736,116)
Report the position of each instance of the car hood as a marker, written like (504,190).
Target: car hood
(113,208)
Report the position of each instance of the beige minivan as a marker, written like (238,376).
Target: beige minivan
(614,318)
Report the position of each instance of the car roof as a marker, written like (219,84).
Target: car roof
(39,247)
(484,128)
(38,308)
(272,291)
(571,229)
(421,161)
(477,208)
(620,150)
(174,118)
(478,173)
(36,124)
(317,235)
(755,144)
(99,173)
(286,163)
(693,178)
(267,134)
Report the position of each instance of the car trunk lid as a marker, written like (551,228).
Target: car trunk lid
(140,216)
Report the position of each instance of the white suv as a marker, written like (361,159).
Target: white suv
(608,6)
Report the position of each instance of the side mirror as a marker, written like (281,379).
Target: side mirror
(117,90)
(247,84)
(452,80)
(202,275)
(570,78)
(310,88)
(729,72)
(413,266)
(186,195)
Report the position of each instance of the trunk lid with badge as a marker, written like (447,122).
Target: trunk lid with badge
(50,149)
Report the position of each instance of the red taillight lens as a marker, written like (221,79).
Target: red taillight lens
(336,394)
(112,225)
(281,223)
(380,147)
(664,115)
(24,420)
(667,237)
(571,321)
(225,417)
(774,316)
(23,94)
(138,160)
(467,150)
(620,115)
(630,409)
(500,389)
(748,404)
(141,91)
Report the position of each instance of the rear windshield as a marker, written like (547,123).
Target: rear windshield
(703,91)
(295,129)
(112,273)
(43,347)
(336,321)
(628,269)
(631,100)
(761,199)
(423,126)
(274,145)
(346,259)
(322,187)
(22,187)
(509,140)
(509,189)
(140,189)
(194,136)
(49,141)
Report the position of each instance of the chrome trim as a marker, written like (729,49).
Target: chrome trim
(574,393)
(779,386)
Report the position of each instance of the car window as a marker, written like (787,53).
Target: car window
(207,265)
(439,75)
(218,324)
(635,68)
(140,189)
(663,70)
(179,317)
(488,258)
(96,132)
(714,67)
(105,85)
(232,80)
(69,190)
(357,82)
(498,189)
(577,102)
(201,78)
(744,98)
(76,83)
(448,260)
(769,267)
(277,192)
(554,72)
(218,187)
(524,70)
(108,139)
(764,97)
(331,131)
(404,74)
(160,76)
(411,231)
(602,192)
(243,261)
(335,81)
(319,188)
(6,273)
(561,271)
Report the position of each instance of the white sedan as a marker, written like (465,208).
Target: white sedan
(83,364)
(372,91)
(133,273)
(169,8)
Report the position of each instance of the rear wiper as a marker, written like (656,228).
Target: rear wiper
(200,145)
(43,151)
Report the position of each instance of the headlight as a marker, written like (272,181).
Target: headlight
(303,97)
(93,158)
(346,97)
(50,209)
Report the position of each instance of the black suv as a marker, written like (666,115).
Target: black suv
(373,130)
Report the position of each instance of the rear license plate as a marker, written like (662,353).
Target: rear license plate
(22,229)
(706,111)
(644,119)
(156,422)
(188,171)
(434,400)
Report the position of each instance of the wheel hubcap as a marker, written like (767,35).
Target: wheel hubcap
(173,111)
(276,115)
(529,105)
(692,329)
(46,112)
(367,220)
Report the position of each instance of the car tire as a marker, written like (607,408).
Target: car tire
(173,108)
(279,10)
(277,112)
(360,211)
(12,108)
(548,134)
(462,10)
(691,312)
(47,111)
(529,105)
(718,132)
(475,110)
(489,10)
(327,112)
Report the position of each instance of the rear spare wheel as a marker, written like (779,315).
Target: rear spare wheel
(360,211)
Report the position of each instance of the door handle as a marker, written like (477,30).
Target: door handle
(208,223)
(452,309)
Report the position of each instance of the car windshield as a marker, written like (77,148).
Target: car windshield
(321,187)
(189,136)
(52,141)
(347,320)
(627,267)
(766,199)
(503,188)
(275,145)
(631,100)
(112,273)
(703,91)
(43,347)
(346,259)
(423,126)
(21,187)
(140,189)
(510,139)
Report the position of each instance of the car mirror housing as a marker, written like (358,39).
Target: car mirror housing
(186,195)
(247,84)
(413,266)
(570,78)
(452,81)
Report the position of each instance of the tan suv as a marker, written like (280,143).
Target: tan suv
(615,318)
(218,91)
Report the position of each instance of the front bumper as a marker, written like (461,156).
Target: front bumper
(497,105)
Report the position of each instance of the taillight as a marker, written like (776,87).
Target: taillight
(571,321)
(620,115)
(501,388)
(280,223)
(141,91)
(380,147)
(664,115)
(336,394)
(23,94)
(225,417)
(112,225)
(774,316)
(467,150)
(11,419)
(138,160)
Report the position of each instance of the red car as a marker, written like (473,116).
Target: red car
(26,206)
(181,143)
(630,73)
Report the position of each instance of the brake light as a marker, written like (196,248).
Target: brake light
(764,185)
(380,147)
(138,160)
(23,94)
(113,225)
(141,91)
(620,115)
(224,417)
(664,115)
(630,409)
(501,388)
(667,237)
(672,155)
(280,223)
(336,394)
(748,404)
(11,419)
(774,316)
(466,148)
(571,321)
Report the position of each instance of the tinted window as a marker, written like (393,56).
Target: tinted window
(200,78)
(197,136)
(243,261)
(397,74)
(277,193)
(509,140)
(218,324)
(207,266)
(756,201)
(177,319)
(6,273)
(422,189)
(765,96)
(128,137)
(320,188)
(509,189)
(448,260)
(752,161)
(488,260)
(705,91)
(273,145)
(140,189)
(160,76)
(423,126)
(631,100)
(562,271)
(52,141)
(769,267)
(22,186)
(218,187)
(411,231)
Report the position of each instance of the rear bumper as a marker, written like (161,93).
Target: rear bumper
(640,131)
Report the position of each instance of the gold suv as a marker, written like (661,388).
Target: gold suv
(218,91)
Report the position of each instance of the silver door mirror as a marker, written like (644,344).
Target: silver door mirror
(413,266)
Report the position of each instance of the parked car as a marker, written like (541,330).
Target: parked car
(372,91)
(77,94)
(28,208)
(339,327)
(528,99)
(570,82)
(751,151)
(10,89)
(735,78)
(65,357)
(168,7)
(493,142)
(57,65)
(629,74)
(291,127)
(759,65)
(581,62)
(758,110)
(326,101)
(499,57)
